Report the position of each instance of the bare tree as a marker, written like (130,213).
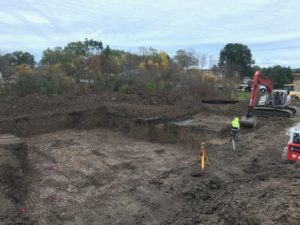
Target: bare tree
(202,61)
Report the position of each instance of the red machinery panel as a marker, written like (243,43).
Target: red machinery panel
(293,153)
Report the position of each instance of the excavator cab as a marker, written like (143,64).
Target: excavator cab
(277,98)
(280,98)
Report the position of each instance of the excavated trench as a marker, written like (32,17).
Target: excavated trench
(38,171)
(159,129)
(107,166)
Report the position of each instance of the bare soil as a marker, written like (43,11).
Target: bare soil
(100,176)
(167,105)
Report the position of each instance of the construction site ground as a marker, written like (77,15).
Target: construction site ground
(126,159)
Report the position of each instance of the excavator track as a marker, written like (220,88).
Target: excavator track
(293,109)
(264,111)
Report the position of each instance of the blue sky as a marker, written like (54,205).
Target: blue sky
(270,28)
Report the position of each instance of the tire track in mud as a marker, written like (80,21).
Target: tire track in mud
(70,180)
(240,187)
(246,186)
(44,191)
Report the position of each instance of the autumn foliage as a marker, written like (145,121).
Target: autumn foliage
(88,66)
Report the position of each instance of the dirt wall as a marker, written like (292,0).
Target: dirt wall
(49,122)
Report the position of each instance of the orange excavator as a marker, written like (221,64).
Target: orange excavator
(272,103)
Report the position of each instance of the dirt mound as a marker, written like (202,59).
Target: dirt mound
(13,185)
(54,103)
(144,105)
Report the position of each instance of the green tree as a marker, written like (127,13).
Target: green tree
(92,47)
(52,57)
(185,59)
(19,57)
(54,81)
(72,52)
(87,48)
(73,57)
(107,51)
(236,57)
(279,75)
(75,48)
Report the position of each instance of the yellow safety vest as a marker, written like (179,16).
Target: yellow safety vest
(235,123)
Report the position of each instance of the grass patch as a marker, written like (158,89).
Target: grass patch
(241,95)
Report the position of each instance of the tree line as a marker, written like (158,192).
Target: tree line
(237,58)
(87,66)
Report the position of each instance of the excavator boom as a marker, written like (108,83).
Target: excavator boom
(258,79)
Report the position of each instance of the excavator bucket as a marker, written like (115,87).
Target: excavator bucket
(248,122)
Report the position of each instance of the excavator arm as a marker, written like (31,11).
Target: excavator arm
(258,79)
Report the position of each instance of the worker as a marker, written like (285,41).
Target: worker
(276,99)
(235,126)
(280,99)
(202,146)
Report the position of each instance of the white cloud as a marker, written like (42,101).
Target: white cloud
(34,18)
(9,19)
(206,25)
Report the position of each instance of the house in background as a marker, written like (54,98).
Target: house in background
(296,81)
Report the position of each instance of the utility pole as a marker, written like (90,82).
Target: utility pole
(225,66)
